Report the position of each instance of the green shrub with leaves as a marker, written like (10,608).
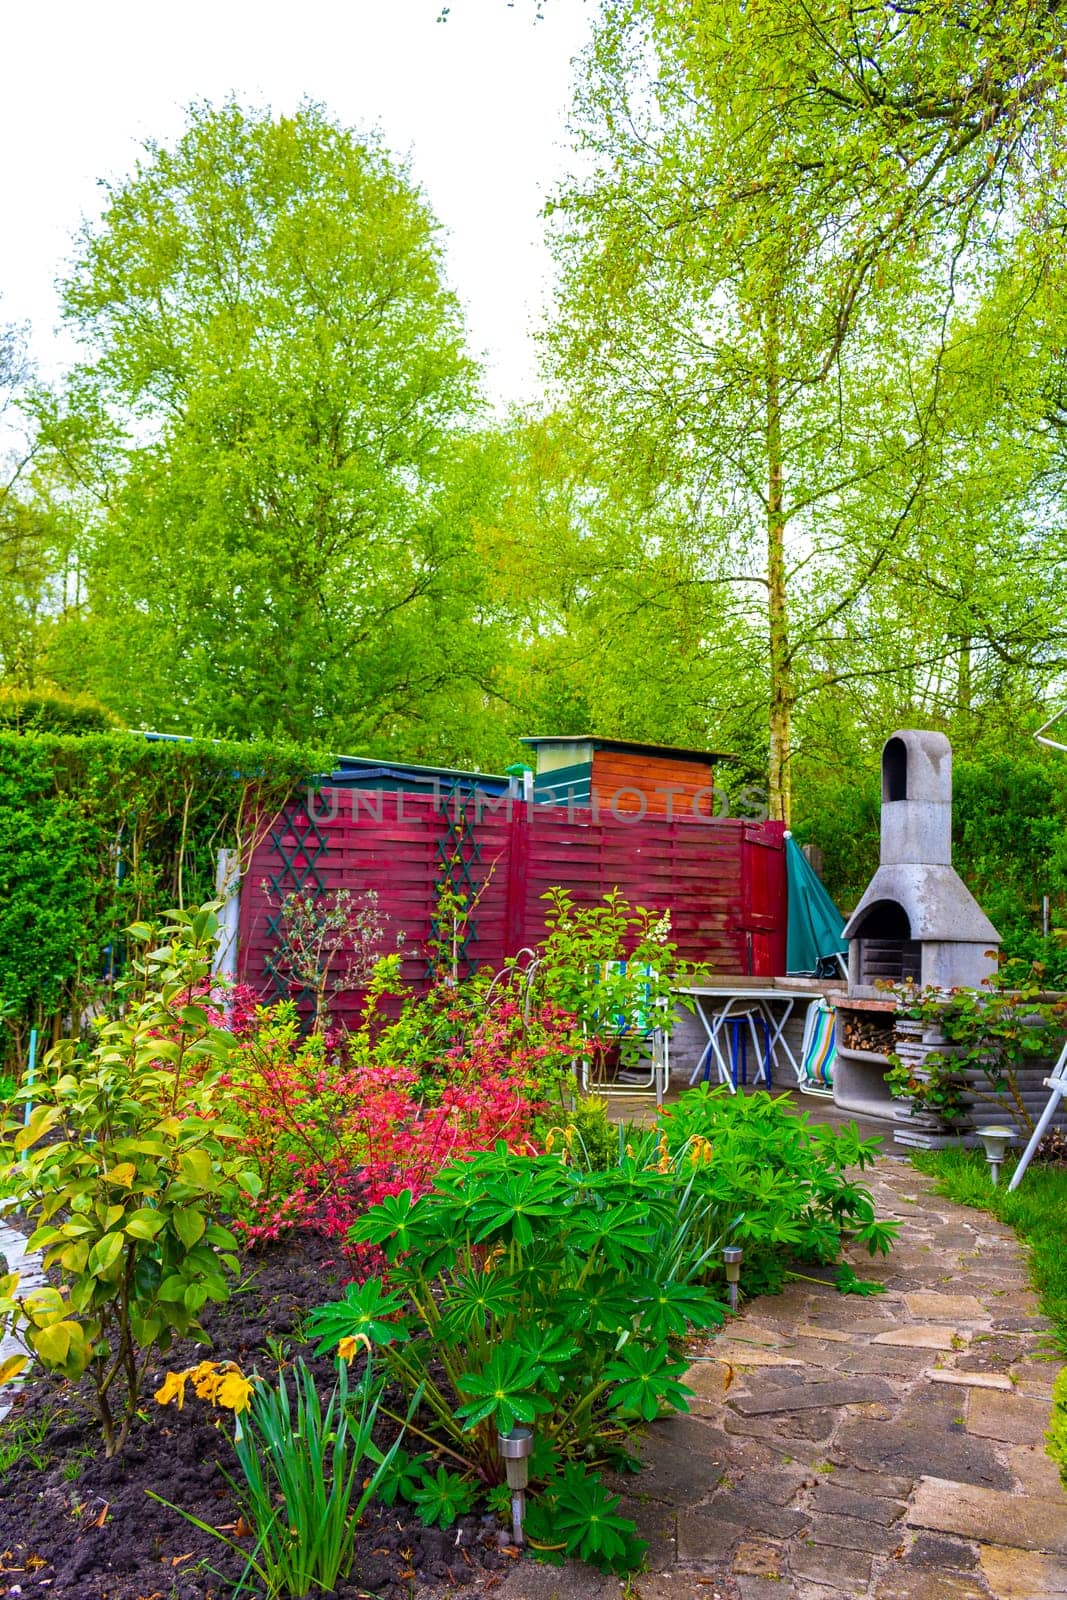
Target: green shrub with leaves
(610,964)
(790,1182)
(989,1034)
(525,1291)
(128,1172)
(98,830)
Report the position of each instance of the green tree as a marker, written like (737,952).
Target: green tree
(274,412)
(758,274)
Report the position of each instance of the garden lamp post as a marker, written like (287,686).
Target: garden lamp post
(515,1449)
(732,1257)
(995,1141)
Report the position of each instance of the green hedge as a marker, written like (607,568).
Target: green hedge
(100,830)
(1009,829)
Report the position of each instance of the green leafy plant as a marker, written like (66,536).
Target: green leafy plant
(127,1171)
(442,1498)
(575,1515)
(304,1481)
(989,1034)
(1056,1437)
(790,1181)
(523,1290)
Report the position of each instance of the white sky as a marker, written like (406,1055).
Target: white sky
(479,102)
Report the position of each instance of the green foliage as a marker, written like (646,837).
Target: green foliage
(442,1498)
(576,1516)
(526,1291)
(1037,1210)
(307,1475)
(124,1169)
(613,965)
(991,1033)
(1056,1437)
(788,1179)
(50,711)
(100,830)
(275,410)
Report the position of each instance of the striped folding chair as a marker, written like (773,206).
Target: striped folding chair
(815,1074)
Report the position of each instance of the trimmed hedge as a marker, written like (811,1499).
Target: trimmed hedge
(100,830)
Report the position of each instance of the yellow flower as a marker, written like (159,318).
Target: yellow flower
(173,1388)
(234,1391)
(630,1151)
(549,1142)
(205,1380)
(347,1347)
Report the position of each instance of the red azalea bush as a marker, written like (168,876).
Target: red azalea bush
(334,1123)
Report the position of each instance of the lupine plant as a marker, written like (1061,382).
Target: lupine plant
(531,1293)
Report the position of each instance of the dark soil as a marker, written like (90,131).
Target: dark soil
(75,1525)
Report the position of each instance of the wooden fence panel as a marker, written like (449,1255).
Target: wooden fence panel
(723,880)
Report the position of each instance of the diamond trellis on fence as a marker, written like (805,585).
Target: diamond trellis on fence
(296,869)
(458,852)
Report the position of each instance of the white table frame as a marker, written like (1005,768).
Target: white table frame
(714,1019)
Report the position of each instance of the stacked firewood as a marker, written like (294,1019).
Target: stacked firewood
(864,1031)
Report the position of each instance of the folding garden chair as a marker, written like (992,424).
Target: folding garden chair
(815,1074)
(636,1032)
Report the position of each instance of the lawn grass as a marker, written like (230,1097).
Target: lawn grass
(1037,1211)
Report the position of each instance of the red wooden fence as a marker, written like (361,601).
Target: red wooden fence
(723,880)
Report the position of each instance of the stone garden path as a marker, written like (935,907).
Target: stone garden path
(888,1448)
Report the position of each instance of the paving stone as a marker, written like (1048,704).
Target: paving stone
(758,1560)
(1010,1417)
(775,1486)
(1035,1377)
(809,1330)
(827,1564)
(756,1589)
(1022,1574)
(881,1484)
(1036,1471)
(739,1355)
(929,1305)
(684,1460)
(745,1431)
(746,1509)
(1022,1522)
(901,1584)
(836,1500)
(853,1533)
(923,1336)
(812,1397)
(912,1448)
(707,1539)
(968,1380)
(885,1360)
(937,1551)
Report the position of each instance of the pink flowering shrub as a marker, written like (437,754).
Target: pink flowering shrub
(333,1124)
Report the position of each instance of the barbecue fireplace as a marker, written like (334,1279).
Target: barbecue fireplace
(917,920)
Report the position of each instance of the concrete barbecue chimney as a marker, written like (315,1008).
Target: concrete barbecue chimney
(917,920)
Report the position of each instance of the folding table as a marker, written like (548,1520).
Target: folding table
(716,1005)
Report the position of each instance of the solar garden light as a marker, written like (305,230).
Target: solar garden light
(515,1449)
(732,1257)
(995,1141)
